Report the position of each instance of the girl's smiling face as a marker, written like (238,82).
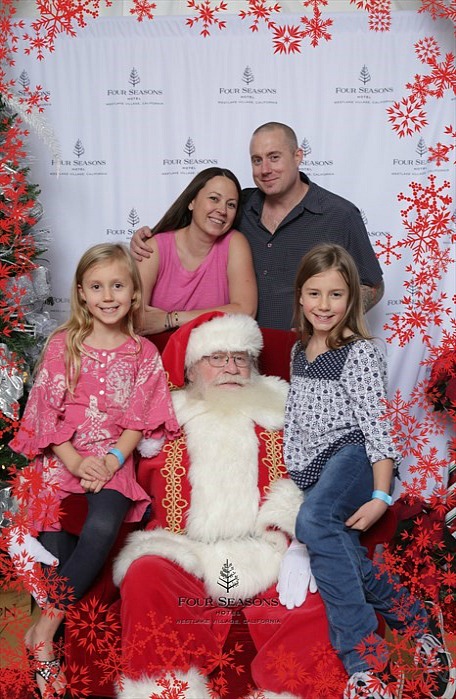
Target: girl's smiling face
(324,300)
(107,289)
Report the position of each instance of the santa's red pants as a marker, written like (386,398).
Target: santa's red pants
(169,622)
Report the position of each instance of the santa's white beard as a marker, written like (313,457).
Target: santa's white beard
(226,395)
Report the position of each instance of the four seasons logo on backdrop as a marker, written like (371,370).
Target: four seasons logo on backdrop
(353,93)
(189,162)
(414,160)
(312,164)
(372,233)
(83,164)
(247,91)
(134,91)
(119,235)
(25,85)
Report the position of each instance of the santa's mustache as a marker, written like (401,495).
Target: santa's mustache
(231,378)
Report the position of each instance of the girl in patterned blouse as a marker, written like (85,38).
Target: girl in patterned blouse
(99,388)
(339,450)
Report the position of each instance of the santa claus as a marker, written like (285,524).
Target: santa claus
(221,535)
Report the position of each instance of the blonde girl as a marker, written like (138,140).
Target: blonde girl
(98,390)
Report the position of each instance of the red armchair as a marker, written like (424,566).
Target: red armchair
(86,659)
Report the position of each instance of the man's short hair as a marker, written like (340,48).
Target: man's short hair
(287,130)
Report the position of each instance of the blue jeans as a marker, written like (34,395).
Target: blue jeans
(350,584)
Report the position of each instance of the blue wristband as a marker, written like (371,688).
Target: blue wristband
(380,495)
(118,454)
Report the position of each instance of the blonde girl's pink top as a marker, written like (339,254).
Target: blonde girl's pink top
(123,388)
(177,288)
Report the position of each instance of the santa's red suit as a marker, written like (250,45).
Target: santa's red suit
(224,513)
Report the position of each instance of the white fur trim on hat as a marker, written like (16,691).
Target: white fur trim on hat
(230,333)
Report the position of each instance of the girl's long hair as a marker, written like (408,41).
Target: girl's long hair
(179,215)
(80,323)
(320,259)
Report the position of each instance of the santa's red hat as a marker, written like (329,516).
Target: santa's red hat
(209,332)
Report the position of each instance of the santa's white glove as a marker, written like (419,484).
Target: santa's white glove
(295,576)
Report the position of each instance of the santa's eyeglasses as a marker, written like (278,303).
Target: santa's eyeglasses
(218,360)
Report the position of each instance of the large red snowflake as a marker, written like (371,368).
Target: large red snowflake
(287,39)
(261,11)
(316,27)
(206,15)
(440,152)
(409,116)
(439,8)
(379,13)
(143,9)
(59,17)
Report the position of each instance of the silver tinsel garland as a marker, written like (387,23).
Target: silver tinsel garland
(11,384)
(8,505)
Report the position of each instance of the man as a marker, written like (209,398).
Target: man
(283,218)
(224,515)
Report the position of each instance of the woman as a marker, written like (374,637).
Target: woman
(200,262)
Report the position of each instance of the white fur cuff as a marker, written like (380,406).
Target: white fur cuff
(150,447)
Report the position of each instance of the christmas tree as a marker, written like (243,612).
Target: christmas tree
(24,283)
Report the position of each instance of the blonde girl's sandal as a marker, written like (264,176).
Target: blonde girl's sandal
(50,671)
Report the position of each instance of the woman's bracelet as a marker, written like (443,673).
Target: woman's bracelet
(172,320)
(118,454)
(381,495)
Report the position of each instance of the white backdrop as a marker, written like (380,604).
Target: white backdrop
(139,108)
